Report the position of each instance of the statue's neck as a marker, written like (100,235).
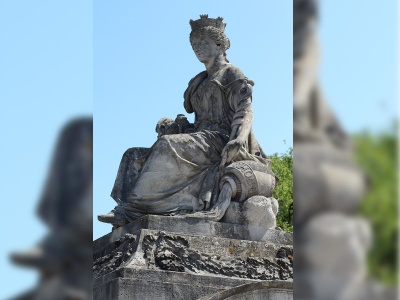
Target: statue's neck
(215,65)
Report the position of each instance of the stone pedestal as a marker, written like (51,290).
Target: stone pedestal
(160,257)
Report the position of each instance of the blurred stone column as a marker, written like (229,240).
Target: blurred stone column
(64,256)
(330,240)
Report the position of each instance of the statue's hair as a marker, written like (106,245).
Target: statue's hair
(219,37)
(215,34)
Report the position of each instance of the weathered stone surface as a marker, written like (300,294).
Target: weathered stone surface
(159,257)
(115,254)
(129,283)
(192,226)
(152,263)
(270,290)
(259,214)
(216,256)
(196,254)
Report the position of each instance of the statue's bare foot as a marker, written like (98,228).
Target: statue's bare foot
(114,218)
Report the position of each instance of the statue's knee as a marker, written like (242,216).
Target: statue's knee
(127,153)
(134,153)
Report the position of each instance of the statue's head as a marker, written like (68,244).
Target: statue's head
(208,38)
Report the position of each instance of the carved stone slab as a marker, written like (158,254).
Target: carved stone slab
(194,260)
(266,290)
(192,226)
(129,283)
(168,251)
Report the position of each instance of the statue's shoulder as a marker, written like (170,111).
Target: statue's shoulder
(230,74)
(196,80)
(194,83)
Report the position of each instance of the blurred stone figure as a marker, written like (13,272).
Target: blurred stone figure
(313,120)
(331,243)
(323,150)
(64,256)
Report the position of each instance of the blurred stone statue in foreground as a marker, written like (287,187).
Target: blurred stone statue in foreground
(198,168)
(64,255)
(331,241)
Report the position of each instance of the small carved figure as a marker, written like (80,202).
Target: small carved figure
(166,126)
(181,173)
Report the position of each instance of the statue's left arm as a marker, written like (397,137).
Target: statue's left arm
(241,93)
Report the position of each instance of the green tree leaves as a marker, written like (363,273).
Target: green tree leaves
(282,166)
(377,156)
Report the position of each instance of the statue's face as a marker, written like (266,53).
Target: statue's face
(205,48)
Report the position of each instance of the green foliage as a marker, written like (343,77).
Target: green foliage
(376,154)
(282,166)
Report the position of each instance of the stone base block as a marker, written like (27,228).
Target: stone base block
(193,226)
(129,283)
(168,258)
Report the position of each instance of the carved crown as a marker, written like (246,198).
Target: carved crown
(204,21)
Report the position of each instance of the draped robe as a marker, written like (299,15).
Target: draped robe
(179,173)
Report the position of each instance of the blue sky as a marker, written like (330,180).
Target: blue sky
(359,61)
(46,78)
(134,59)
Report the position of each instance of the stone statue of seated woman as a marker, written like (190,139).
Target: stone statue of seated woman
(198,169)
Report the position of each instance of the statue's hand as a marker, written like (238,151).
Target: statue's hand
(230,151)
